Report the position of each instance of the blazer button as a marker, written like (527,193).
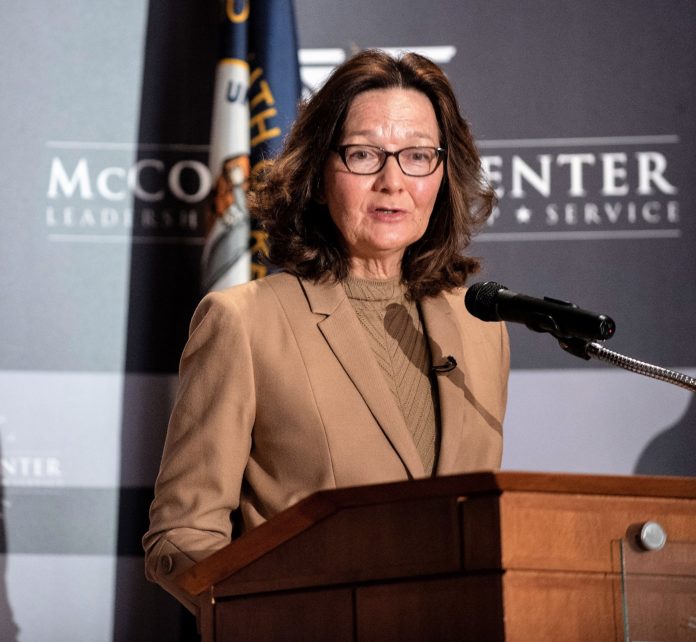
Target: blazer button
(166,564)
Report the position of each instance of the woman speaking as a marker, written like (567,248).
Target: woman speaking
(357,363)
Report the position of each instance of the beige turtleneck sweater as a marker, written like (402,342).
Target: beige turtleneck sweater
(394,330)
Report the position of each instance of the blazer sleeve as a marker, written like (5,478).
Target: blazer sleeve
(207,445)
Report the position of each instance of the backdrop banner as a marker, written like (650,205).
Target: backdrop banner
(584,114)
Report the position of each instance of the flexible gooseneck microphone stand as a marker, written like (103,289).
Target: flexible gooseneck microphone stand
(588,349)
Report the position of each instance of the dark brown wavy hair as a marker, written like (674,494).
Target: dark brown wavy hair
(302,238)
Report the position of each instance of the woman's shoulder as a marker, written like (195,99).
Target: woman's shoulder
(455,302)
(454,299)
(254,299)
(254,292)
(248,304)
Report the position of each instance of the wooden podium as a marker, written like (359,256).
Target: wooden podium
(484,556)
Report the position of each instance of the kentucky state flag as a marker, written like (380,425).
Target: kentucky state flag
(257,87)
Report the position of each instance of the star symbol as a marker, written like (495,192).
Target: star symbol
(523,214)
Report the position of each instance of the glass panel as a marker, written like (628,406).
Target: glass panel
(659,591)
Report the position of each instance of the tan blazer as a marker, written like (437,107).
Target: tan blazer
(280,396)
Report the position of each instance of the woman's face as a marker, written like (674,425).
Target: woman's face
(380,215)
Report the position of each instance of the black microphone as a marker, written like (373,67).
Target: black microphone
(490,301)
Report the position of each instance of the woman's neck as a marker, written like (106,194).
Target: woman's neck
(376,269)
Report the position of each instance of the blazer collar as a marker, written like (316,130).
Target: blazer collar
(346,338)
(323,297)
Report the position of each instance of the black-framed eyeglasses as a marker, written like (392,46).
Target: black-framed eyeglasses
(370,159)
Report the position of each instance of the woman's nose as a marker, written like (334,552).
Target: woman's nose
(390,177)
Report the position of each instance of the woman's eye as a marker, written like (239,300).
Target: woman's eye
(362,154)
(419,156)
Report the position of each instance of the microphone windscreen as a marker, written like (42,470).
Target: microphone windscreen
(481,298)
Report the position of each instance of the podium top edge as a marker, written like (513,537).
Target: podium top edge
(496,482)
(322,504)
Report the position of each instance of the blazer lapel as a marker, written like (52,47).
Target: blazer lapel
(445,340)
(347,340)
